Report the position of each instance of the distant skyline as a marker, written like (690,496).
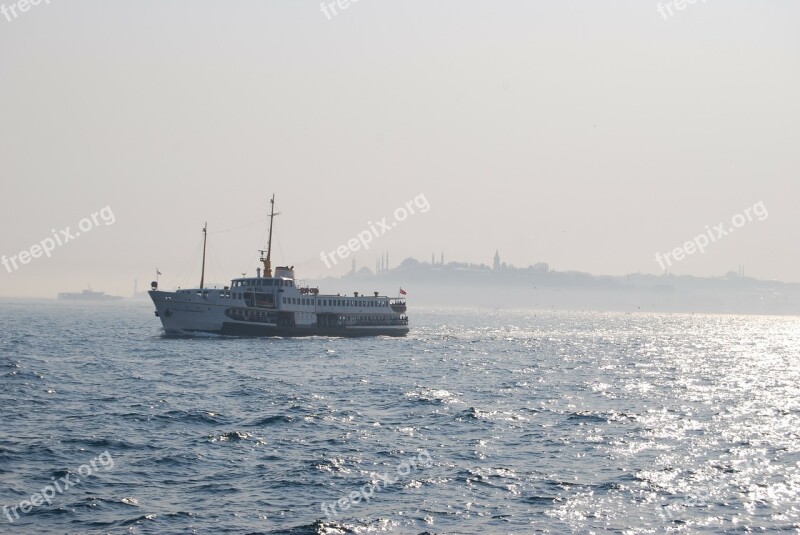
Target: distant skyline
(593,137)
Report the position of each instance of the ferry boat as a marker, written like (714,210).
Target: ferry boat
(275,305)
(89,295)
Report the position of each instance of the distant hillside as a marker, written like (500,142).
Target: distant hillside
(461,284)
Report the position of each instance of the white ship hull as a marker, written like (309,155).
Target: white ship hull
(287,313)
(275,306)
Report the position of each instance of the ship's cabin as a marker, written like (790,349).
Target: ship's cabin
(284,276)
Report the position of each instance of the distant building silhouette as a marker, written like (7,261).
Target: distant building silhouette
(539,286)
(382,264)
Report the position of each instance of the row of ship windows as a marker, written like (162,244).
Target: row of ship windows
(263,282)
(304,301)
(333,302)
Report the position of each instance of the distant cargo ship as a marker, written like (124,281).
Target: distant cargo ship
(89,295)
(267,305)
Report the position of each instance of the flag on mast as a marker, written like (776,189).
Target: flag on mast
(402,291)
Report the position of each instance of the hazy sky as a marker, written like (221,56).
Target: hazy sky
(589,135)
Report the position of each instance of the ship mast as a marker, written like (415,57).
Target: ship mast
(267,259)
(203,272)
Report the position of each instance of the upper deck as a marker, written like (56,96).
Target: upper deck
(262,282)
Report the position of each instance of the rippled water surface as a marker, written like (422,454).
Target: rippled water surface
(478,422)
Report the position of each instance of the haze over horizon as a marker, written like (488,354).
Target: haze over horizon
(587,136)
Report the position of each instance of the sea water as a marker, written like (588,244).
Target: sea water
(480,421)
